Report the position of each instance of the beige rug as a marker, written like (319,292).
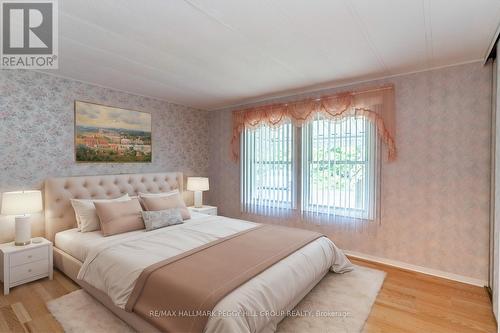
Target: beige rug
(339,303)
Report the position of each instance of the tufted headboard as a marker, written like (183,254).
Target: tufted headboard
(59,214)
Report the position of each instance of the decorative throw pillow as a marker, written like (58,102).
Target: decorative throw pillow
(85,213)
(119,217)
(167,202)
(161,218)
(154,195)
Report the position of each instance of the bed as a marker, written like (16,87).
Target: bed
(95,261)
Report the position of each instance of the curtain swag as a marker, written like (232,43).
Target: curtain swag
(375,104)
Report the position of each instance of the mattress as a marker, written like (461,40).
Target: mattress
(112,264)
(256,306)
(78,244)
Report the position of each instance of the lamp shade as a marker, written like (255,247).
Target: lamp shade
(197,184)
(22,202)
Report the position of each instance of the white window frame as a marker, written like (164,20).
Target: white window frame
(249,201)
(299,169)
(370,162)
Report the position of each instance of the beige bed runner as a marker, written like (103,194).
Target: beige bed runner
(178,294)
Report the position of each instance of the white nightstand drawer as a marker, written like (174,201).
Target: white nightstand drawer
(208,210)
(22,264)
(212,211)
(27,271)
(27,256)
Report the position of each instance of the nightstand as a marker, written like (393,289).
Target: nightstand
(209,210)
(22,264)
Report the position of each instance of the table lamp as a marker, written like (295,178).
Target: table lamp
(198,184)
(22,204)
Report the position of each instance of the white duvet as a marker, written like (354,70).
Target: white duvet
(256,306)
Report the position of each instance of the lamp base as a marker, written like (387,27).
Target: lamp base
(198,199)
(23,230)
(22,244)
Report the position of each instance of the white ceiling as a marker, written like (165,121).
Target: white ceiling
(215,53)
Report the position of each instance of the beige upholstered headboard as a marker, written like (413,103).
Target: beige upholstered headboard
(59,214)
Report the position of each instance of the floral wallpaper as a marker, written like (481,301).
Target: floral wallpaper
(37,133)
(435,196)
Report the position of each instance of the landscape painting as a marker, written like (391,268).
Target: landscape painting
(109,134)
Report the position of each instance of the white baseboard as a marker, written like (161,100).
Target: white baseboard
(419,269)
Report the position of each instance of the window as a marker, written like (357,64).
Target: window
(338,167)
(268,168)
(334,162)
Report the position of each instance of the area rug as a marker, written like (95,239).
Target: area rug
(339,303)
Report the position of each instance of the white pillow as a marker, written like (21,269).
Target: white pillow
(86,215)
(162,194)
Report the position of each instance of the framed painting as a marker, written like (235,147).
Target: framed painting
(106,134)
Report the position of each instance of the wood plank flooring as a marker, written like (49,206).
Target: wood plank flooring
(408,302)
(415,302)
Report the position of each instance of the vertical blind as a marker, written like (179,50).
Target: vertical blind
(339,173)
(334,162)
(268,170)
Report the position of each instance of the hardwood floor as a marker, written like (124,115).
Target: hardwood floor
(415,302)
(408,302)
(24,310)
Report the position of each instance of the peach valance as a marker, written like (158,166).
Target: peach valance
(375,104)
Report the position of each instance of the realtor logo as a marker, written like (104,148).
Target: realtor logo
(29,34)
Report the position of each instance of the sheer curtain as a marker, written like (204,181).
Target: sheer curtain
(340,170)
(268,170)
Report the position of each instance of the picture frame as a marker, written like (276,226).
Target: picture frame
(108,134)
